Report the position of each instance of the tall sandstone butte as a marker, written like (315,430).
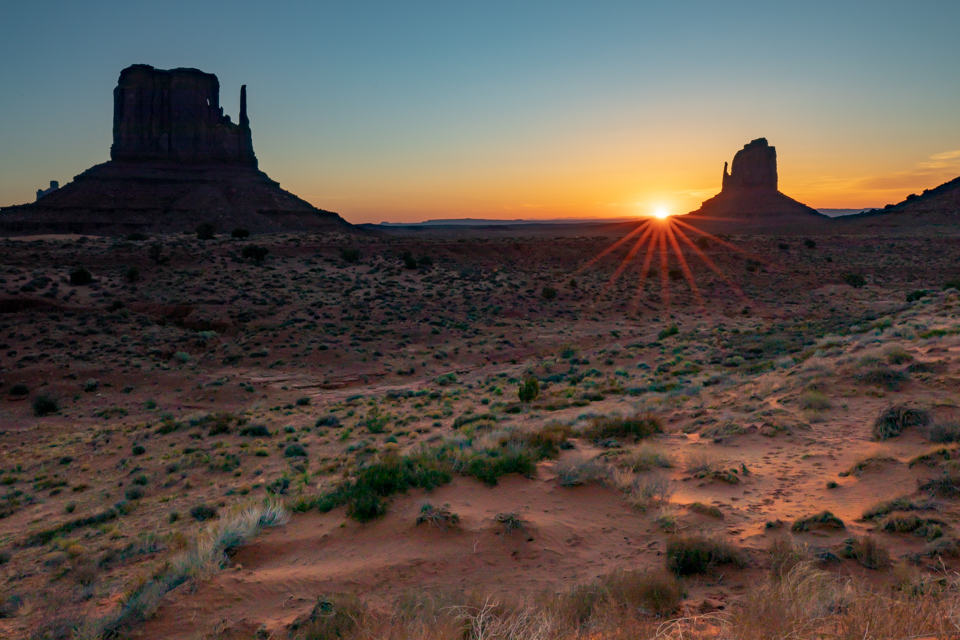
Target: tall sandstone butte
(176,116)
(176,161)
(750,201)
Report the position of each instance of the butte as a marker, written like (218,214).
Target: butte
(176,161)
(750,202)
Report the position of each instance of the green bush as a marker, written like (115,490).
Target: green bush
(295,451)
(132,274)
(203,512)
(240,234)
(19,390)
(672,330)
(45,405)
(548,293)
(255,431)
(867,551)
(883,376)
(529,390)
(350,254)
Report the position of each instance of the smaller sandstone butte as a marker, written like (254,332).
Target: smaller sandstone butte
(176,161)
(749,200)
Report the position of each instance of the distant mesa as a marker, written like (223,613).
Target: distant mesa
(54,185)
(176,161)
(750,201)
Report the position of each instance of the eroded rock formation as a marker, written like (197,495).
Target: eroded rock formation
(754,167)
(176,116)
(750,201)
(176,161)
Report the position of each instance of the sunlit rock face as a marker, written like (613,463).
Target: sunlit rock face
(176,116)
(754,167)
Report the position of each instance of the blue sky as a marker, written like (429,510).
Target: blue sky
(409,111)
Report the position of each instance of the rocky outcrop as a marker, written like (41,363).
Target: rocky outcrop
(176,161)
(749,200)
(754,167)
(175,116)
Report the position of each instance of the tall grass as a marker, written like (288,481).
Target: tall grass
(207,556)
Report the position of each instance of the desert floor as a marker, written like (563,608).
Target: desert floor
(140,409)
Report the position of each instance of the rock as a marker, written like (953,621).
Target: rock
(176,116)
(754,167)
(176,161)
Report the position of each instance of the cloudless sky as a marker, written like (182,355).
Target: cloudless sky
(404,111)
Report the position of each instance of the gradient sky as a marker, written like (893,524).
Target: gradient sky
(404,111)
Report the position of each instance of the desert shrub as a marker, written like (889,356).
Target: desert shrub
(579,470)
(278,487)
(855,280)
(80,277)
(897,355)
(304,401)
(364,495)
(546,441)
(134,493)
(654,592)
(647,458)
(883,376)
(132,274)
(649,490)
(295,451)
(953,283)
(814,401)
(240,234)
(917,295)
(350,254)
(945,485)
(691,554)
(510,522)
(203,512)
(672,330)
(19,390)
(911,523)
(548,293)
(893,420)
(255,431)
(902,503)
(327,421)
(867,551)
(785,554)
(706,510)
(488,466)
(138,450)
(440,517)
(529,390)
(635,427)
(206,231)
(91,385)
(254,252)
(943,430)
(810,244)
(409,262)
(822,520)
(45,405)
(336,617)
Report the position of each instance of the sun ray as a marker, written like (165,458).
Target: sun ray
(613,247)
(664,275)
(723,242)
(626,261)
(713,267)
(651,249)
(687,273)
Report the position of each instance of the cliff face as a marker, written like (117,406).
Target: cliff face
(176,116)
(754,167)
(176,161)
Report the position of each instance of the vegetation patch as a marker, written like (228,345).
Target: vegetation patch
(691,554)
(822,520)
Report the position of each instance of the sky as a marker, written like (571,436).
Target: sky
(408,111)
